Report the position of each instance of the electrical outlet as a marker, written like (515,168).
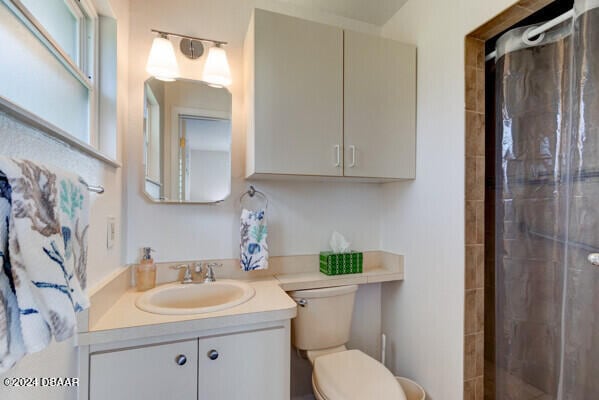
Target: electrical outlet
(110,232)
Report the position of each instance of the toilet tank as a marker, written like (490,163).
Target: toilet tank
(325,319)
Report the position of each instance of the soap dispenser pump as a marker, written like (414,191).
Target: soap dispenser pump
(145,271)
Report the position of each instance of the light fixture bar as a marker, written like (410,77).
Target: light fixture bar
(217,42)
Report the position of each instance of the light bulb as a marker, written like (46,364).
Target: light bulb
(216,68)
(162,63)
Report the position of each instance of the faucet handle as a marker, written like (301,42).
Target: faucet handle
(210,271)
(197,267)
(187,277)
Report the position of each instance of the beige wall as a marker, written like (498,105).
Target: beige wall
(423,317)
(302,215)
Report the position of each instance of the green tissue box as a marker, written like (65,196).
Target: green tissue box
(339,264)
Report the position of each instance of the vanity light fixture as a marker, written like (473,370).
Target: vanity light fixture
(216,69)
(162,63)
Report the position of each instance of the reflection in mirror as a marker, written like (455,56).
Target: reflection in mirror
(187,141)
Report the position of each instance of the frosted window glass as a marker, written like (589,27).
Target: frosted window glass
(56,17)
(35,80)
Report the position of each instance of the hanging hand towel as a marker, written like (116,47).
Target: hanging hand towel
(12,348)
(45,258)
(254,250)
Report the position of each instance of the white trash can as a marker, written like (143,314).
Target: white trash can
(412,390)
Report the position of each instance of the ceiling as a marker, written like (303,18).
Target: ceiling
(376,12)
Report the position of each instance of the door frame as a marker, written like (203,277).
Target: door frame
(474,285)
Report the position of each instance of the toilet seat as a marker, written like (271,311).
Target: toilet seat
(352,375)
(312,355)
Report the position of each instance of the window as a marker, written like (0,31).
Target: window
(152,135)
(50,65)
(63,20)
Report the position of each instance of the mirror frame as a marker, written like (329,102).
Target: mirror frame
(144,158)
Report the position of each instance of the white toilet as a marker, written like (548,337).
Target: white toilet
(321,329)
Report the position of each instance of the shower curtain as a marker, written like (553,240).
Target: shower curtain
(547,211)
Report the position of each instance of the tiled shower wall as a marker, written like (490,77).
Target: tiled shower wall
(475,205)
(474,335)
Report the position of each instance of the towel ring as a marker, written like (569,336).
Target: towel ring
(253,192)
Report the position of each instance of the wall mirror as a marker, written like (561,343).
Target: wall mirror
(187,141)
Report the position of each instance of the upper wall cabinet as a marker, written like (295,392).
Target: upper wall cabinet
(294,84)
(327,103)
(379,104)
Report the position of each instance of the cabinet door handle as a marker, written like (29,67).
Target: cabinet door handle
(181,359)
(353,156)
(337,155)
(213,354)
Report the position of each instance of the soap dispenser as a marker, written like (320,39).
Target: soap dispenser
(145,271)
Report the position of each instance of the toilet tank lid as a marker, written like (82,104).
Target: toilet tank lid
(323,292)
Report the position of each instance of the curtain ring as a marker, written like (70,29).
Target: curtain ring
(532,42)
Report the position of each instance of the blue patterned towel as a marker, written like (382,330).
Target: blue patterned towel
(254,250)
(43,251)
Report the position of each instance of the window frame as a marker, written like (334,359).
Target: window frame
(86,66)
(151,119)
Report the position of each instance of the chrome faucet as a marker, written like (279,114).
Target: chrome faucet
(210,272)
(188,275)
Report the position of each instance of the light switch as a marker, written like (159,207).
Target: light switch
(110,232)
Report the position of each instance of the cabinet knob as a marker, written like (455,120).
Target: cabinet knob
(593,258)
(213,354)
(302,302)
(181,359)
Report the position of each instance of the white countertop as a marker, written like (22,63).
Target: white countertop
(120,319)
(316,279)
(124,321)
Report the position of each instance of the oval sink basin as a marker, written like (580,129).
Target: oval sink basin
(195,298)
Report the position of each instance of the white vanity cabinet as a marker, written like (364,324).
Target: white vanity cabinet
(250,365)
(325,102)
(166,371)
(235,365)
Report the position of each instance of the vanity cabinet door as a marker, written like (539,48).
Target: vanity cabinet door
(242,366)
(167,371)
(379,107)
(294,84)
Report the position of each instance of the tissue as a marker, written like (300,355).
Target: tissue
(340,260)
(339,244)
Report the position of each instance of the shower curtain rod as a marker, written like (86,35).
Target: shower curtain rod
(540,29)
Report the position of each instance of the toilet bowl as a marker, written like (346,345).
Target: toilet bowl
(321,330)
